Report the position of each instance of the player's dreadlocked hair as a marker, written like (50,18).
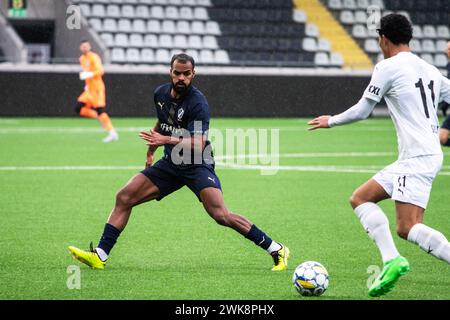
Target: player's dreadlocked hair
(183,58)
(396,28)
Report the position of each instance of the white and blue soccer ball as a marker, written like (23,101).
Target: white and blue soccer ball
(310,278)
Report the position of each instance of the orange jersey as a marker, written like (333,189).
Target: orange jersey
(94,93)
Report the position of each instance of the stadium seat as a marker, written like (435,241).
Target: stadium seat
(183,27)
(321,59)
(139,26)
(335,4)
(96,24)
(360,17)
(440,60)
(371,46)
(347,17)
(427,57)
(165,41)
(443,32)
(133,55)
(349,4)
(186,13)
(85,10)
(157,12)
(212,27)
(128,12)
(153,26)
(441,46)
(113,11)
(180,41)
(309,44)
(359,31)
(118,55)
(429,31)
(162,56)
(193,53)
(172,13)
(201,13)
(362,4)
(336,59)
(108,39)
(124,25)
(378,3)
(299,16)
(311,30)
(417,32)
(198,27)
(136,40)
(221,57)
(204,3)
(98,11)
(121,40)
(206,57)
(323,45)
(195,42)
(110,25)
(151,41)
(210,42)
(415,46)
(142,12)
(428,46)
(168,26)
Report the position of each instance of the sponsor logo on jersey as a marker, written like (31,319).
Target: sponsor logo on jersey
(180,114)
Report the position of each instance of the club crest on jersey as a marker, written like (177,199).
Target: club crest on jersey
(180,114)
(374,90)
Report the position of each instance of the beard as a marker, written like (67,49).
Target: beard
(180,87)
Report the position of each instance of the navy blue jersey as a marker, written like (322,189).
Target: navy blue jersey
(187,115)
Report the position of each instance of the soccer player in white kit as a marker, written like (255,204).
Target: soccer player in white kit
(412,90)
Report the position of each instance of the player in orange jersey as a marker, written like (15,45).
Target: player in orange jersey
(91,103)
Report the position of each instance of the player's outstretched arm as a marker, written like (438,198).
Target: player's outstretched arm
(359,111)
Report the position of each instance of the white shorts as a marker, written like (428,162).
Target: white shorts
(410,180)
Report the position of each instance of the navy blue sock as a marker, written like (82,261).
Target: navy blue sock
(447,144)
(258,237)
(109,238)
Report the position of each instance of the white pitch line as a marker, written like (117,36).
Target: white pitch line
(25,130)
(69,168)
(335,169)
(306,155)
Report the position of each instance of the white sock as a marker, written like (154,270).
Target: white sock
(430,240)
(376,225)
(101,254)
(274,246)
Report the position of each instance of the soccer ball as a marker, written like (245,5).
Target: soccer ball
(310,278)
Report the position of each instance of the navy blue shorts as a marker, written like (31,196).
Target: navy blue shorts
(446,124)
(169,177)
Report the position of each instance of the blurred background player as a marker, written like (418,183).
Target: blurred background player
(411,88)
(444,132)
(179,106)
(92,102)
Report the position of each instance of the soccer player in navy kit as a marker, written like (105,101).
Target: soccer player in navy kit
(183,122)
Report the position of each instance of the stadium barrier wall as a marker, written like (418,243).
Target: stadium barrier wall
(229,95)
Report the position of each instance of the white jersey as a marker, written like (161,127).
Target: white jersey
(412,89)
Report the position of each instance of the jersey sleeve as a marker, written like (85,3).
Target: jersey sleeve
(380,83)
(445,90)
(198,122)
